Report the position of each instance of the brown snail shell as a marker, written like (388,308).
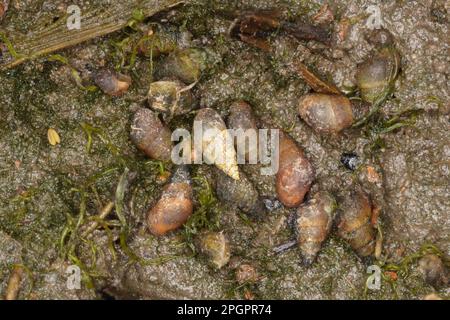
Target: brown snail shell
(170,97)
(354,223)
(150,135)
(112,83)
(240,193)
(215,246)
(218,149)
(186,65)
(314,222)
(241,117)
(295,174)
(434,271)
(376,76)
(161,40)
(326,113)
(175,206)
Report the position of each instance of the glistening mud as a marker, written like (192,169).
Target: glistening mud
(362,78)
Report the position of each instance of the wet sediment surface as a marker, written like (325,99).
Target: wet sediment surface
(45,189)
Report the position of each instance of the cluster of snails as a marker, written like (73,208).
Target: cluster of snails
(293,181)
(327,112)
(180,65)
(315,217)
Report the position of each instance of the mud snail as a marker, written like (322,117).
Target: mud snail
(376,76)
(150,135)
(215,137)
(240,193)
(295,174)
(352,216)
(214,246)
(175,206)
(186,65)
(112,83)
(313,224)
(171,98)
(434,271)
(326,113)
(241,117)
(321,152)
(354,222)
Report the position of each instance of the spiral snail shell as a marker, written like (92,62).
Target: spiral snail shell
(170,97)
(217,143)
(376,76)
(175,205)
(241,118)
(112,83)
(240,193)
(215,246)
(150,135)
(326,113)
(186,65)
(354,222)
(295,174)
(313,224)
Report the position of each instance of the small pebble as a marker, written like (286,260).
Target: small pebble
(350,160)
(272,205)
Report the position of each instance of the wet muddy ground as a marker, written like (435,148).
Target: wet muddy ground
(44,189)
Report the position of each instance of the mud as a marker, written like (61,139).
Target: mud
(41,187)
